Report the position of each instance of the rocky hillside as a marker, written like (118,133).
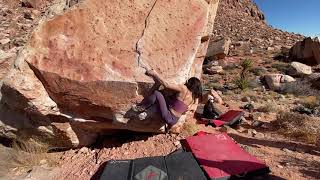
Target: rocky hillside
(244,23)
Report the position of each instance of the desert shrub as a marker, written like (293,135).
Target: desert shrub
(282,67)
(309,102)
(269,107)
(216,86)
(189,129)
(243,82)
(230,67)
(26,154)
(251,94)
(258,71)
(300,88)
(298,126)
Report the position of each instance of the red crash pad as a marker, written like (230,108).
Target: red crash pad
(230,118)
(222,158)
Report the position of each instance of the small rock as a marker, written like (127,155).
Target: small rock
(249,107)
(28,15)
(286,150)
(251,132)
(270,49)
(303,110)
(214,70)
(5,41)
(246,99)
(259,135)
(84,150)
(177,143)
(73,157)
(279,166)
(282,97)
(43,161)
(257,123)
(27,4)
(277,38)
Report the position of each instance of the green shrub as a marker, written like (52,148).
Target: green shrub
(242,83)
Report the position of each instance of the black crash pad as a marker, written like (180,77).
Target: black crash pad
(175,166)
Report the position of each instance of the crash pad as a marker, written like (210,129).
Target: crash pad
(230,118)
(222,158)
(180,165)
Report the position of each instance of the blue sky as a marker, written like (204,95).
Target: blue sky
(299,16)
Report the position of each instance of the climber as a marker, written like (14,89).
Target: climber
(211,110)
(186,95)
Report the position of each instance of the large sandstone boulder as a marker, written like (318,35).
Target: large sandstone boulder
(306,51)
(299,69)
(218,48)
(81,70)
(277,82)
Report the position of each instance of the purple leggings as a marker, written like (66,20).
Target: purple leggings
(161,102)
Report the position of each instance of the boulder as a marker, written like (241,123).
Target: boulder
(299,69)
(218,48)
(81,71)
(306,51)
(276,82)
(213,70)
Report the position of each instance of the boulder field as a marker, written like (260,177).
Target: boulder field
(81,72)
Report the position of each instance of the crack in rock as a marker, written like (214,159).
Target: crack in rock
(138,50)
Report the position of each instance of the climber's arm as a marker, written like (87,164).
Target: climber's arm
(165,83)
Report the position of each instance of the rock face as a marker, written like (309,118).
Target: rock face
(218,48)
(306,51)
(299,69)
(80,72)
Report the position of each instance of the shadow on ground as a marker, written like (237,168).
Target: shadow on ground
(310,149)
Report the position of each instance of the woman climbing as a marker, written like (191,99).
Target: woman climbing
(186,95)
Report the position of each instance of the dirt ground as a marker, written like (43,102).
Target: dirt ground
(286,159)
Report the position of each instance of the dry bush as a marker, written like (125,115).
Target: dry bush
(215,86)
(269,107)
(251,94)
(189,129)
(301,88)
(26,154)
(298,126)
(258,71)
(309,101)
(281,67)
